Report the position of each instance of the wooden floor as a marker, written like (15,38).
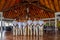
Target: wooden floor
(46,36)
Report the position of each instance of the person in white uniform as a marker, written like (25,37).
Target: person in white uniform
(29,22)
(19,28)
(24,27)
(35,29)
(41,24)
(14,27)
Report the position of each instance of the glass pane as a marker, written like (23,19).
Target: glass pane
(10,24)
(6,23)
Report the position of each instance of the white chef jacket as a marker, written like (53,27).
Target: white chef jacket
(41,22)
(24,24)
(29,22)
(20,24)
(14,23)
(35,22)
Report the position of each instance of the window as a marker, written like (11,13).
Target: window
(10,24)
(6,23)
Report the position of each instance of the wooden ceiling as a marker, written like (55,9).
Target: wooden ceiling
(34,12)
(51,4)
(13,9)
(6,4)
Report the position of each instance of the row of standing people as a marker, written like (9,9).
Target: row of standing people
(34,27)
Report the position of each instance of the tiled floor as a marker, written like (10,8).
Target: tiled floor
(46,36)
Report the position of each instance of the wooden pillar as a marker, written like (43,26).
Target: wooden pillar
(1,17)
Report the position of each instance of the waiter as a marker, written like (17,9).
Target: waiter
(24,27)
(35,29)
(19,27)
(29,22)
(14,27)
(41,24)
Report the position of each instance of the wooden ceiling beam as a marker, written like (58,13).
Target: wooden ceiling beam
(2,4)
(59,4)
(42,2)
(12,3)
(17,1)
(23,4)
(46,8)
(47,4)
(51,5)
(7,4)
(56,5)
(20,4)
